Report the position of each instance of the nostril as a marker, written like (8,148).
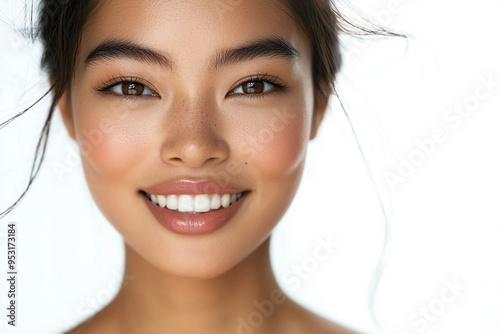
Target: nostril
(194,151)
(212,159)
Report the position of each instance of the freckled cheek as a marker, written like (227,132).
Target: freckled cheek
(278,147)
(111,146)
(276,164)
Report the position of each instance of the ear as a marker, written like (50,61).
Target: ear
(320,106)
(64,105)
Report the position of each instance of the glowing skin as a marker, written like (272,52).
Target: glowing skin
(194,123)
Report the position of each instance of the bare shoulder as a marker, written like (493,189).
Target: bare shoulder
(305,321)
(92,326)
(325,326)
(102,322)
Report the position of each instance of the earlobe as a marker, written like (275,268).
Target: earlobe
(64,105)
(320,106)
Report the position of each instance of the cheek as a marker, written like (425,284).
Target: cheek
(275,146)
(112,143)
(285,146)
(275,153)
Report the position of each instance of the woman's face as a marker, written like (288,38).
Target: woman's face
(168,94)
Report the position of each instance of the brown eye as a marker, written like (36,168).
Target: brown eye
(132,88)
(253,87)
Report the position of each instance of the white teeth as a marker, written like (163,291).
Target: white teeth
(153,199)
(215,203)
(162,201)
(185,203)
(201,203)
(194,203)
(225,200)
(172,202)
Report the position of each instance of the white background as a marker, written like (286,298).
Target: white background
(444,213)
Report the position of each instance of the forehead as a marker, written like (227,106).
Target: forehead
(191,29)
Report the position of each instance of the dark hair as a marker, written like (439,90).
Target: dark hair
(60,26)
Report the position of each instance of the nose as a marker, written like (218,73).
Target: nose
(193,136)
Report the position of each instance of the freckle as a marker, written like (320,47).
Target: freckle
(246,163)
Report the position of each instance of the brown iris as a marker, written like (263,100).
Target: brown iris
(132,88)
(253,87)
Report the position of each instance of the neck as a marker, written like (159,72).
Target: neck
(155,302)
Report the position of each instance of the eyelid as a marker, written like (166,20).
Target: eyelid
(105,88)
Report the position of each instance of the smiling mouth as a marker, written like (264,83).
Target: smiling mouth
(194,204)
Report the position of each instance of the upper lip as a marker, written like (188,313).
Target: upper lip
(194,187)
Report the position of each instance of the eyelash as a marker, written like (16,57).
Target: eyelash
(105,88)
(277,86)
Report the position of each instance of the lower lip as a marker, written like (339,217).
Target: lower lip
(194,224)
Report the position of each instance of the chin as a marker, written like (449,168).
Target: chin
(206,265)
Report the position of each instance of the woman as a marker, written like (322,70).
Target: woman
(193,119)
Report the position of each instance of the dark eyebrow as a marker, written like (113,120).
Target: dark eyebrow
(124,49)
(268,47)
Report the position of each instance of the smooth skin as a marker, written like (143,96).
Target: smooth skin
(187,116)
